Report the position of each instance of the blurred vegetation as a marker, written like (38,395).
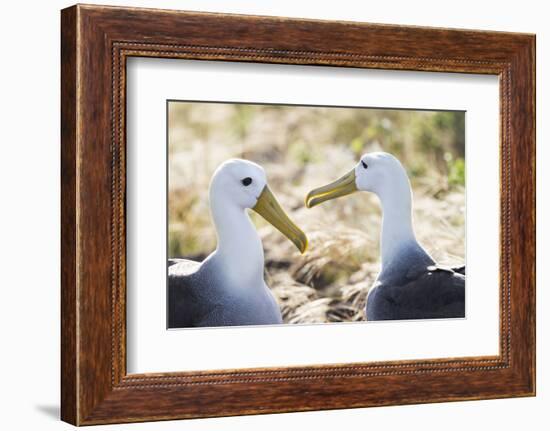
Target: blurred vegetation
(304,147)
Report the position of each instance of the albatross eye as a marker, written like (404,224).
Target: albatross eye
(364,164)
(246,181)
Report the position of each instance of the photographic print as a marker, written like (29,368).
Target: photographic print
(284,214)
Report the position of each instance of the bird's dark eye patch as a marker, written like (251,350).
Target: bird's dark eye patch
(246,181)
(364,164)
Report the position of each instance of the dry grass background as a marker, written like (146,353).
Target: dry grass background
(304,147)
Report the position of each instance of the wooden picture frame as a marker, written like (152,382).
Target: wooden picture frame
(96,41)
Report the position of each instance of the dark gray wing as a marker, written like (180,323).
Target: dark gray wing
(460,269)
(183,277)
(435,293)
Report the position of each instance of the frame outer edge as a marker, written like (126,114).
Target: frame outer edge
(69,201)
(533,55)
(528,61)
(523,216)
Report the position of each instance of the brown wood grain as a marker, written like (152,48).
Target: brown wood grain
(96,41)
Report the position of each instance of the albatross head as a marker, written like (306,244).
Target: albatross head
(378,172)
(243,184)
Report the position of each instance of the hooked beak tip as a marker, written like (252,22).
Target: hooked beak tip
(311,202)
(304,245)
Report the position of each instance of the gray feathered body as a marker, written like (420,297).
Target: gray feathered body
(198,296)
(413,286)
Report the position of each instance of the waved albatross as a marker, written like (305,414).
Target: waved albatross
(410,285)
(228,287)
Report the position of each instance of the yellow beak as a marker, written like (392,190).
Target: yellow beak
(341,187)
(268,207)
